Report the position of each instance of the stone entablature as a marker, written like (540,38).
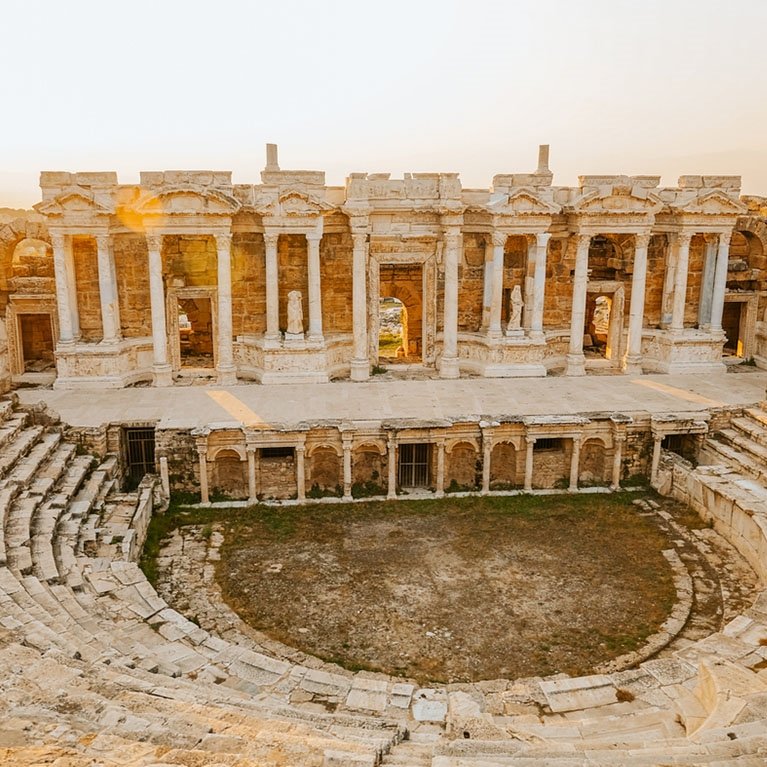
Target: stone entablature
(502,280)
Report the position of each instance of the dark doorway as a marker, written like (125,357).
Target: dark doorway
(414,465)
(195,328)
(36,342)
(138,445)
(731,324)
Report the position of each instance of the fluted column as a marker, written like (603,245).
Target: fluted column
(346,440)
(496,288)
(272,288)
(720,281)
(440,483)
(202,454)
(530,442)
(680,282)
(448,366)
(360,365)
(252,494)
(161,368)
(575,460)
(576,364)
(391,491)
(315,291)
(301,470)
(539,284)
(226,369)
(66,325)
(110,307)
(633,361)
(618,441)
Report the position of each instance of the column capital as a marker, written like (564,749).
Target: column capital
(658,437)
(619,438)
(58,241)
(724,238)
(499,239)
(250,448)
(271,238)
(642,240)
(530,440)
(301,443)
(583,241)
(391,439)
(202,451)
(313,236)
(683,239)
(347,440)
(542,239)
(223,240)
(359,239)
(102,240)
(154,242)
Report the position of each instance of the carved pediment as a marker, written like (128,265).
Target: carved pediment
(188,201)
(75,201)
(619,200)
(294,202)
(713,203)
(522,201)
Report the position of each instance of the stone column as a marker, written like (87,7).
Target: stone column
(66,325)
(669,278)
(161,368)
(680,282)
(487,451)
(346,440)
(529,463)
(448,366)
(720,282)
(487,295)
(272,288)
(360,366)
(707,284)
(633,361)
(440,484)
(496,292)
(164,476)
(252,494)
(202,453)
(315,293)
(110,307)
(656,448)
(74,305)
(528,291)
(391,491)
(539,284)
(575,460)
(226,370)
(301,470)
(618,441)
(576,364)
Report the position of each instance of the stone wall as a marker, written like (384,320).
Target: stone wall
(551,467)
(292,274)
(132,270)
(192,259)
(88,298)
(336,281)
(276,477)
(248,284)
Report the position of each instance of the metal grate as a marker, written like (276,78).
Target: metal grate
(414,465)
(139,455)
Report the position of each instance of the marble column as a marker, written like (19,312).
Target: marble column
(539,284)
(315,292)
(440,484)
(74,304)
(226,370)
(576,364)
(618,441)
(161,368)
(272,288)
(680,282)
(346,440)
(360,365)
(496,292)
(487,294)
(164,476)
(669,277)
(487,451)
(448,366)
(252,494)
(575,460)
(391,491)
(530,443)
(720,282)
(301,471)
(66,324)
(528,291)
(110,306)
(633,361)
(707,284)
(656,448)
(202,454)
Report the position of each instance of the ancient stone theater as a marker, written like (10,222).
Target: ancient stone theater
(287,343)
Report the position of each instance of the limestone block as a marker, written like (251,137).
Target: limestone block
(430,705)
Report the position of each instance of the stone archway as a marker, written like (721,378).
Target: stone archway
(503,466)
(594,467)
(324,475)
(229,474)
(461,471)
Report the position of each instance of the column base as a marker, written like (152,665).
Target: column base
(162,375)
(391,496)
(360,370)
(576,365)
(448,368)
(572,489)
(227,376)
(632,365)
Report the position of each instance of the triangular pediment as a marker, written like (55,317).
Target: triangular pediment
(620,200)
(713,203)
(295,202)
(182,201)
(72,201)
(522,201)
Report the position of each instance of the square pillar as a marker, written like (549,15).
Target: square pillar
(272,288)
(656,449)
(391,490)
(720,282)
(161,367)
(575,460)
(226,370)
(315,293)
(530,443)
(61,270)
(301,470)
(487,294)
(110,307)
(618,441)
(440,483)
(448,366)
(576,364)
(487,451)
(633,361)
(496,287)
(252,492)
(360,365)
(680,282)
(539,284)
(346,440)
(202,454)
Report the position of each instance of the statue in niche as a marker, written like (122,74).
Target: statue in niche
(515,310)
(295,313)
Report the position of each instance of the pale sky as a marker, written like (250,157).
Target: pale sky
(471,86)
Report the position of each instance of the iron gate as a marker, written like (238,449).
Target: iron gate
(414,465)
(139,455)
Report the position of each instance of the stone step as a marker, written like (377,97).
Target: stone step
(17,447)
(734,458)
(10,428)
(743,443)
(31,465)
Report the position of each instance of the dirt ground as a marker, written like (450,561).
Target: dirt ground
(452,590)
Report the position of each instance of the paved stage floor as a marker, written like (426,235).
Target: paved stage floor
(285,405)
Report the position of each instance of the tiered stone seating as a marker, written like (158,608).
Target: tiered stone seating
(97,668)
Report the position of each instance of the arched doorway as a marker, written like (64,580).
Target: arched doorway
(401,288)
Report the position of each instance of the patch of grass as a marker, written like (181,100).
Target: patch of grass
(377,370)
